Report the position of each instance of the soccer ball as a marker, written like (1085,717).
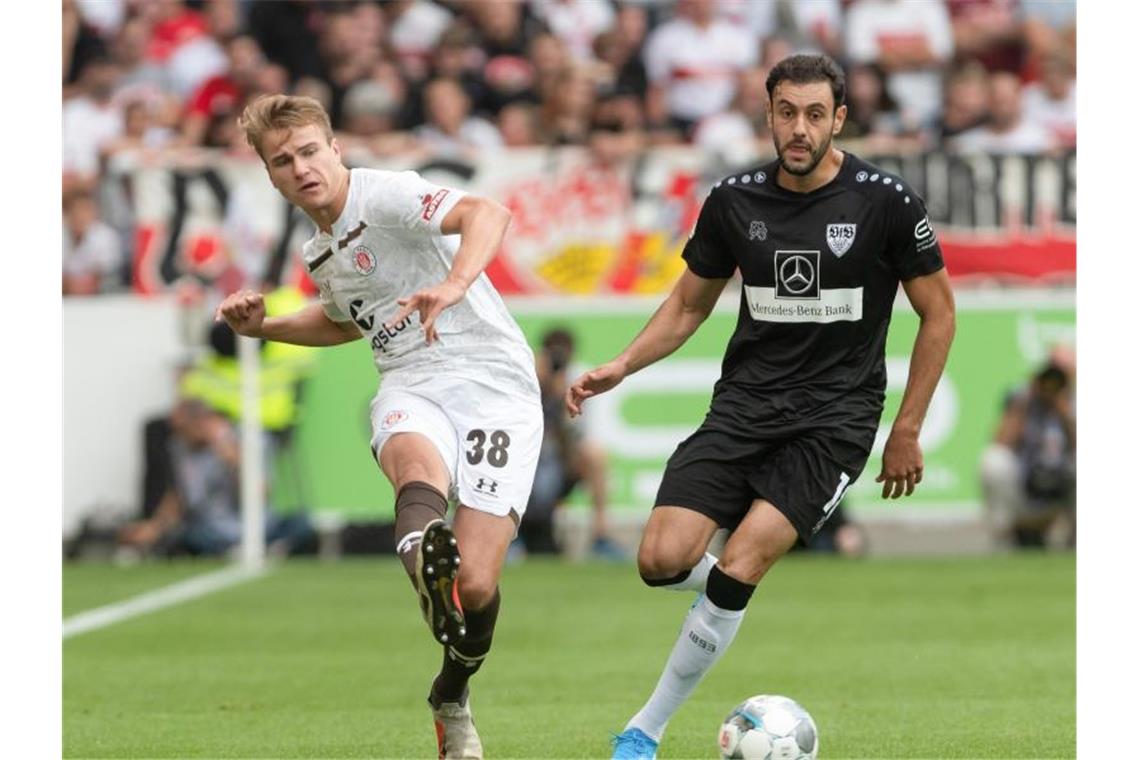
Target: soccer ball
(768,727)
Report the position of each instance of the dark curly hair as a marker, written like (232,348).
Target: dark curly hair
(806,69)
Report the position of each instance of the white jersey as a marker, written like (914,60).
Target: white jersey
(387,245)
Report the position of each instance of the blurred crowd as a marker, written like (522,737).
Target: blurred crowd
(457,78)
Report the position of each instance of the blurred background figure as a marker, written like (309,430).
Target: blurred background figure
(1028,473)
(1006,131)
(693,62)
(93,257)
(911,42)
(569,458)
(965,100)
(1052,100)
(450,129)
(199,513)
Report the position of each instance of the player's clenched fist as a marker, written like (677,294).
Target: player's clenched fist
(244,311)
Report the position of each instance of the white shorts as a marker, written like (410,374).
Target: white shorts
(488,440)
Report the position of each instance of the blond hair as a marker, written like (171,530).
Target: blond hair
(272,112)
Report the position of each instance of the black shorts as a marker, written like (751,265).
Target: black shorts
(804,476)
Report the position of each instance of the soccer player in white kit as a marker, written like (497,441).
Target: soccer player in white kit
(399,262)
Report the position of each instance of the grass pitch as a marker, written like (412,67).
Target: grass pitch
(894,658)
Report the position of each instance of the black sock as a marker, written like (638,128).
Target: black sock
(726,592)
(463,660)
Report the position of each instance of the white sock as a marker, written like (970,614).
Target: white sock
(697,578)
(705,634)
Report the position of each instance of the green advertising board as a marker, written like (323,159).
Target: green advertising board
(1002,336)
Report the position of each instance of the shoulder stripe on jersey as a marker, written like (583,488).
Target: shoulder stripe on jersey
(353,235)
(320,260)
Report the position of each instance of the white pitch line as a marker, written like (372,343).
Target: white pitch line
(168,596)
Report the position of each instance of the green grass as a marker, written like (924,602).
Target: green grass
(916,658)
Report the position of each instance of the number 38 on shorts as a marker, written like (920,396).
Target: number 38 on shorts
(488,441)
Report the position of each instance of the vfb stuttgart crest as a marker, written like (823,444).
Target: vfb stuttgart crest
(758,231)
(363,260)
(840,237)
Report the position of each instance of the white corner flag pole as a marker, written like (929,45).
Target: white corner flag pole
(252,459)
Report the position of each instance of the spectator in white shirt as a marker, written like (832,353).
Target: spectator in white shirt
(693,62)
(89,121)
(1052,102)
(576,22)
(450,129)
(1007,132)
(912,42)
(93,260)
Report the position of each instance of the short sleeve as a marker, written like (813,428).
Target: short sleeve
(405,199)
(912,245)
(706,253)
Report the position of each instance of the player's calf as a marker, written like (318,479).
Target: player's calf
(417,504)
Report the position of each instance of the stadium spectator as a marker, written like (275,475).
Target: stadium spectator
(518,125)
(1028,473)
(287,33)
(181,44)
(617,126)
(813,25)
(739,134)
(909,41)
(873,116)
(414,31)
(90,120)
(505,27)
(223,96)
(576,22)
(82,43)
(350,48)
(1049,25)
(371,110)
(141,77)
(567,108)
(693,62)
(990,32)
(965,105)
(550,58)
(1052,101)
(568,458)
(450,129)
(1006,131)
(622,68)
(93,258)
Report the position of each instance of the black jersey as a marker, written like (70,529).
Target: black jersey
(820,273)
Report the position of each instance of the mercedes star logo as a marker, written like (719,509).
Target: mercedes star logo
(797,274)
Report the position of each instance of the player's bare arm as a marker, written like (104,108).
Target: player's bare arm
(244,312)
(481,224)
(688,305)
(933,300)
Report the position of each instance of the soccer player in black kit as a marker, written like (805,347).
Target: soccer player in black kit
(822,240)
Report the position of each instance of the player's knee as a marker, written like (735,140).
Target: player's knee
(657,562)
(476,588)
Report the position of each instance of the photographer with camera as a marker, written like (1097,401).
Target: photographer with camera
(568,458)
(1029,473)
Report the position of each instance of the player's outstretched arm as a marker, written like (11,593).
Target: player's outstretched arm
(933,299)
(244,312)
(481,224)
(690,303)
